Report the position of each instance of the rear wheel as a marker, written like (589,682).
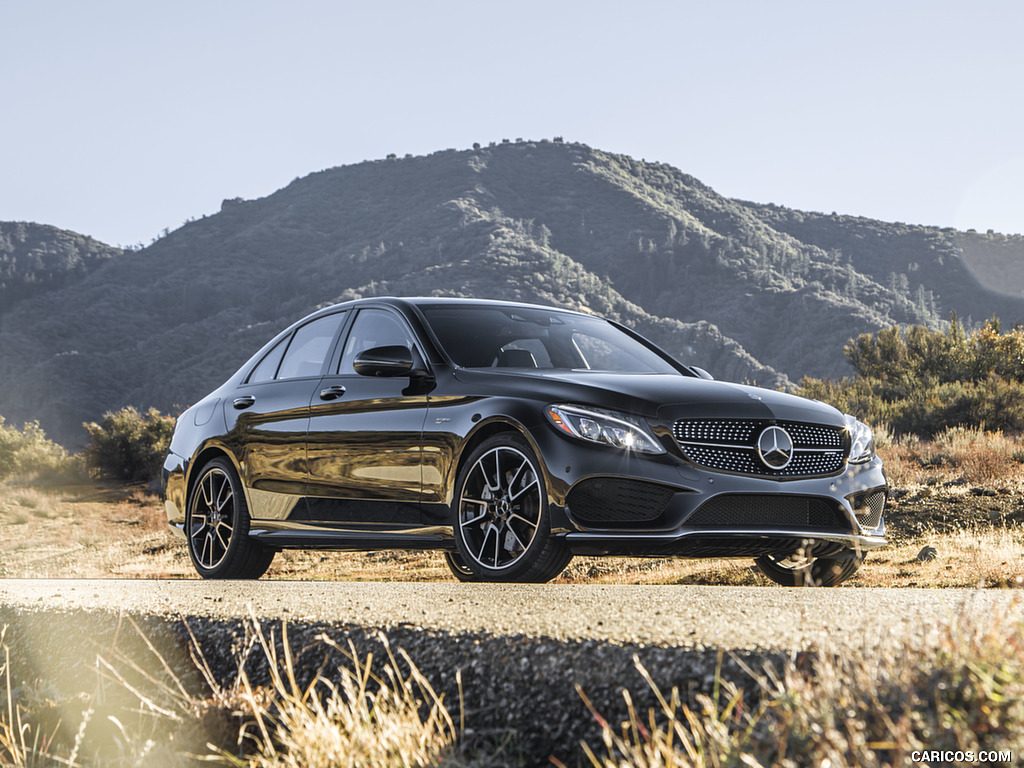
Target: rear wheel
(801,569)
(502,521)
(217,527)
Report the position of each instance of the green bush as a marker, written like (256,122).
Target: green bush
(27,453)
(921,382)
(129,445)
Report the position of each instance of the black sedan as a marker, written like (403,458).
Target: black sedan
(512,436)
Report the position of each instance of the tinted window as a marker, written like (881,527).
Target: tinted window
(481,337)
(373,328)
(310,346)
(268,365)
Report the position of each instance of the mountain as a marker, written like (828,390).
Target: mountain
(750,292)
(36,259)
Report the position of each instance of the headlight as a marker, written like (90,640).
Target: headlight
(862,442)
(593,425)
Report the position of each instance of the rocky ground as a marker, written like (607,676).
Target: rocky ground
(948,508)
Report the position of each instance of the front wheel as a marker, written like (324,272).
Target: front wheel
(804,570)
(458,567)
(502,521)
(217,527)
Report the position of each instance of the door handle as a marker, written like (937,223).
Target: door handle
(244,402)
(332,393)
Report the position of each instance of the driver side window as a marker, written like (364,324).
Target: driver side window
(309,347)
(373,328)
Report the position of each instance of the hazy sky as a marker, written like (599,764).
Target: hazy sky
(121,118)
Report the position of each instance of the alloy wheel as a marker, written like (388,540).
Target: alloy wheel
(212,519)
(500,507)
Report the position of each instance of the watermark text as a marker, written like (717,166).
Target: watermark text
(961,756)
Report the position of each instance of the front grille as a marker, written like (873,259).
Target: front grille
(868,508)
(767,511)
(611,501)
(730,445)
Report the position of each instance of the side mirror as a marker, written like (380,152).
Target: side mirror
(701,373)
(394,360)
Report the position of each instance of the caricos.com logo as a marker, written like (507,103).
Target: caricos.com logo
(945,756)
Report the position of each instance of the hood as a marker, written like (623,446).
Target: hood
(664,397)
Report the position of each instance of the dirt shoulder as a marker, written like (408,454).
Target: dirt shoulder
(976,532)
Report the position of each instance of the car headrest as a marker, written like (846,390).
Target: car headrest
(516,358)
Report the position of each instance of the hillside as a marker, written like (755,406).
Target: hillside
(996,260)
(36,259)
(747,291)
(938,269)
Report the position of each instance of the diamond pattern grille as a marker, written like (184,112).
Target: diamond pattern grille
(729,445)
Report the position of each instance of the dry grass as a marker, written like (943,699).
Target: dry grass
(355,716)
(84,531)
(958,685)
(963,559)
(966,558)
(87,531)
(364,719)
(961,691)
(960,454)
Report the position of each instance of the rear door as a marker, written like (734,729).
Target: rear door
(268,418)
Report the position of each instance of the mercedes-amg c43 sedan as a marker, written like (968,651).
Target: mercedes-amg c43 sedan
(511,437)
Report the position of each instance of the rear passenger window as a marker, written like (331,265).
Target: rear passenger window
(268,365)
(310,346)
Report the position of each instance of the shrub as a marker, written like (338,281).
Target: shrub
(129,445)
(980,456)
(922,382)
(27,453)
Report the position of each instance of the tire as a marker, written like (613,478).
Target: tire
(501,517)
(217,527)
(800,570)
(458,567)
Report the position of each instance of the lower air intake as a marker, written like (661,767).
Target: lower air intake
(613,502)
(767,511)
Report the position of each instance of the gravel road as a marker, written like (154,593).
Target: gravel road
(682,616)
(521,650)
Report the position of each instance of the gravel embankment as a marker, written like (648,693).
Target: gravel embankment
(521,649)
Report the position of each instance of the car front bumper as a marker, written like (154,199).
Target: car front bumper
(173,476)
(676,530)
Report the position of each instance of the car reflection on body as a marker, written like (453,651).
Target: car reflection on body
(511,437)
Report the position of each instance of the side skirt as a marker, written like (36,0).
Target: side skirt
(287,535)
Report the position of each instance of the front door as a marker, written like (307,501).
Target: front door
(365,433)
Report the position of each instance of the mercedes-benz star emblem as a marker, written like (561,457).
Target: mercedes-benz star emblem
(775,448)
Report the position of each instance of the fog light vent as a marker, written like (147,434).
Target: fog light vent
(868,508)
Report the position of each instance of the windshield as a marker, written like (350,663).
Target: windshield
(514,337)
